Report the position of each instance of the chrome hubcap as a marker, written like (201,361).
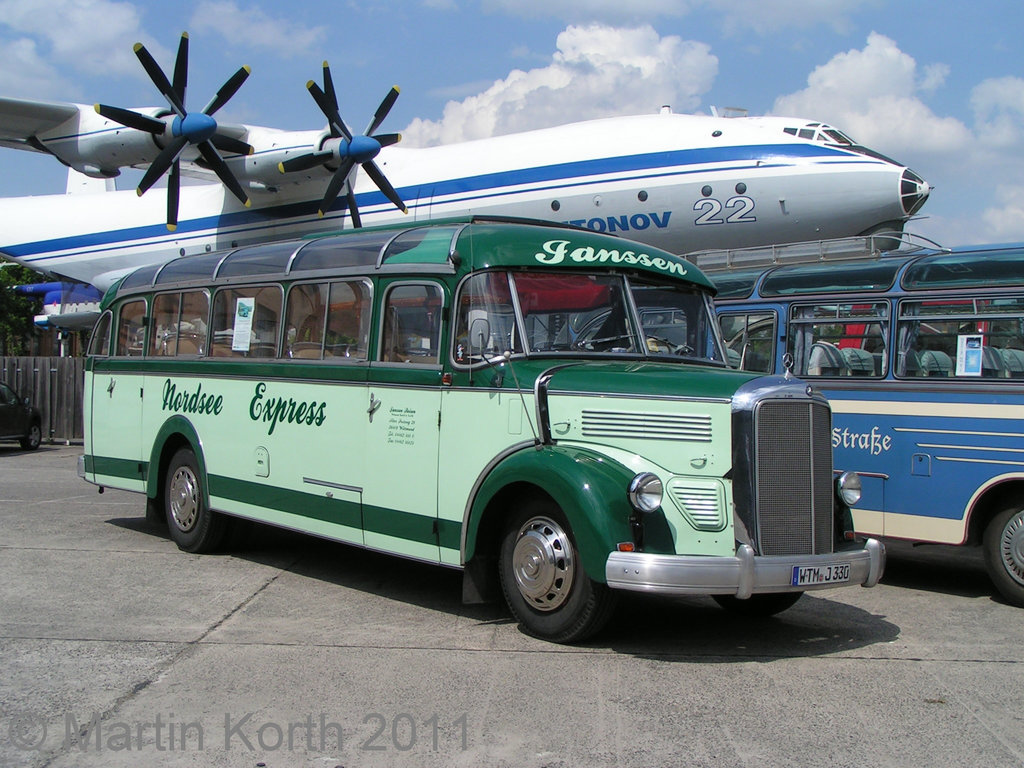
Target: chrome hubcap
(542,563)
(1011,547)
(183,498)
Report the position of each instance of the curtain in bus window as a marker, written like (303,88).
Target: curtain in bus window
(245,321)
(131,330)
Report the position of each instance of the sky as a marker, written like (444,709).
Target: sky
(936,86)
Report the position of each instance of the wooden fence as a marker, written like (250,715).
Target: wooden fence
(55,385)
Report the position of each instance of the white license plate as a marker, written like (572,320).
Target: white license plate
(811,575)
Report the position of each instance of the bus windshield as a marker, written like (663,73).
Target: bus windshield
(538,313)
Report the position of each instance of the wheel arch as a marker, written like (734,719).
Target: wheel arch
(590,489)
(175,433)
(997,494)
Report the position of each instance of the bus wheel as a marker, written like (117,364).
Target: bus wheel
(193,527)
(1004,553)
(767,604)
(544,583)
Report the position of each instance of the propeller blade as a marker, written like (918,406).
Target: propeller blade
(382,110)
(304,162)
(228,90)
(329,87)
(338,126)
(131,119)
(232,145)
(159,79)
(337,181)
(163,161)
(214,160)
(173,193)
(353,209)
(387,139)
(181,68)
(384,185)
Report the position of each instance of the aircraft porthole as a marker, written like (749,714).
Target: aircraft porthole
(706,190)
(642,196)
(741,188)
(555,205)
(716,134)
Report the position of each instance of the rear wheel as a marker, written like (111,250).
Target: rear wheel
(544,583)
(763,605)
(192,525)
(34,437)
(1004,553)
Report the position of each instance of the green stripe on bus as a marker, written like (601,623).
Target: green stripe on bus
(108,466)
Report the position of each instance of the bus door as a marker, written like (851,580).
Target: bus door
(117,405)
(403,413)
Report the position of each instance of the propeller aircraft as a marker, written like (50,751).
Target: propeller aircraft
(680,182)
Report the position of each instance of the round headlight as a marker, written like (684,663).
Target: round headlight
(849,488)
(645,492)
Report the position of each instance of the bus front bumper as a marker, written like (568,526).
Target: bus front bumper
(745,574)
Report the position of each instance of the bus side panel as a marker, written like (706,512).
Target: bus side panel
(114,449)
(929,456)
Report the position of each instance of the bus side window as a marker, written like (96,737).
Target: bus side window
(749,340)
(131,329)
(304,326)
(411,332)
(195,309)
(846,339)
(99,343)
(245,321)
(163,335)
(348,320)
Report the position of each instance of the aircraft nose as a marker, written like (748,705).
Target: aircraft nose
(914,191)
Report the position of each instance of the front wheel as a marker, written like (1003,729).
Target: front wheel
(544,583)
(763,605)
(192,525)
(1004,553)
(32,440)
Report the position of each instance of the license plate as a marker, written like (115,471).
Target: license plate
(811,575)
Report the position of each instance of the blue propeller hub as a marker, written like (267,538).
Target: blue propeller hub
(196,127)
(362,149)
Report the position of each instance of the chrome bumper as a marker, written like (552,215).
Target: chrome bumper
(81,466)
(743,575)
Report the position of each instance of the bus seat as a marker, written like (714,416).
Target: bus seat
(859,361)
(188,345)
(992,363)
(1013,361)
(936,363)
(825,359)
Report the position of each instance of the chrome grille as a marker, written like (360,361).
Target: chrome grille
(793,494)
(647,426)
(703,504)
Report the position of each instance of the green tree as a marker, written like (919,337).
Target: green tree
(16,311)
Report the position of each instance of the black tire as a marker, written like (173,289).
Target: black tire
(192,525)
(544,583)
(761,606)
(34,437)
(1004,553)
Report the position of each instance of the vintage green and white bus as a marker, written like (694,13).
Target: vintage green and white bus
(544,407)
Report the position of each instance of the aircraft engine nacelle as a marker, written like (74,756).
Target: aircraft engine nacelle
(98,147)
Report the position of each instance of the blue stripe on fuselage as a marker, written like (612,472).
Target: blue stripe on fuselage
(268,216)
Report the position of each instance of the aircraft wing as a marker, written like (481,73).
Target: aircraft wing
(21,120)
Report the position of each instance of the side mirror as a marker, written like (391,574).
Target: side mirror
(479,335)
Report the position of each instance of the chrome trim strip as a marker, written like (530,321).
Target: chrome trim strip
(328,484)
(744,575)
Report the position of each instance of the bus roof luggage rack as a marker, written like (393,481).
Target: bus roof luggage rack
(838,249)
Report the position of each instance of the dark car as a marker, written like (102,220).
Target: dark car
(19,420)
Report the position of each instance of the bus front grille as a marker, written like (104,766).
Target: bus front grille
(793,477)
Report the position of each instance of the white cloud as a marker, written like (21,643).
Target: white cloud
(597,71)
(24,74)
(872,94)
(1004,222)
(253,28)
(92,36)
(998,106)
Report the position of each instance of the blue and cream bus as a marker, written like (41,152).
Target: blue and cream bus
(546,408)
(921,355)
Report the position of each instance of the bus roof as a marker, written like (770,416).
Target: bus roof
(447,247)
